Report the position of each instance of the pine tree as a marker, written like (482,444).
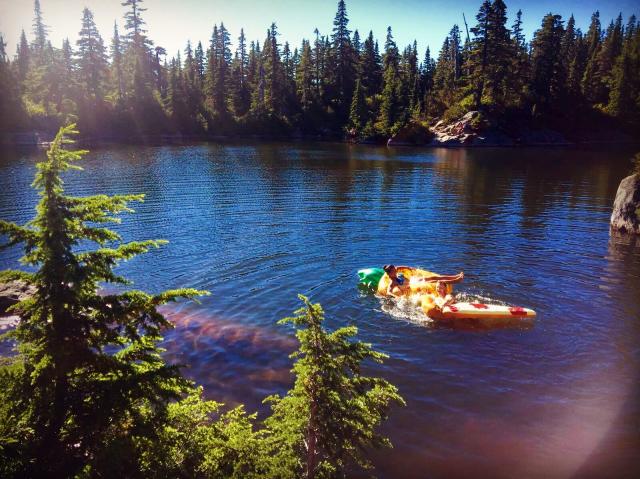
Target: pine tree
(89,376)
(324,425)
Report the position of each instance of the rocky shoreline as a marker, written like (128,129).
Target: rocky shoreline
(469,131)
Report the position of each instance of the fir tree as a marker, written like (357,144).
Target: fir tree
(22,57)
(342,49)
(479,55)
(328,420)
(370,67)
(117,66)
(590,83)
(304,77)
(89,375)
(389,107)
(547,71)
(92,57)
(358,110)
(40,31)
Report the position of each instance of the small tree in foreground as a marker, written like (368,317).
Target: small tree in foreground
(88,377)
(325,424)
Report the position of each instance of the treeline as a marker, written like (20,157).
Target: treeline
(332,84)
(87,392)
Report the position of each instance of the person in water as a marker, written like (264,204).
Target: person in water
(433,304)
(399,285)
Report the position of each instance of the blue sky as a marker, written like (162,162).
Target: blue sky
(172,22)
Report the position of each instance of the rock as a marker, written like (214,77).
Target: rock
(626,207)
(460,132)
(13,292)
(8,322)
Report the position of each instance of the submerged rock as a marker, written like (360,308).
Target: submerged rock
(626,207)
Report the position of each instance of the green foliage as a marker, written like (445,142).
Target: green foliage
(329,419)
(89,375)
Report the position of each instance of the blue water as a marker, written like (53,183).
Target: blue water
(256,224)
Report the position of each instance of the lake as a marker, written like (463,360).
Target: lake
(256,224)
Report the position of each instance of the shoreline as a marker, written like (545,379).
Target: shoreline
(35,140)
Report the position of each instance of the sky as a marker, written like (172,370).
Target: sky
(172,22)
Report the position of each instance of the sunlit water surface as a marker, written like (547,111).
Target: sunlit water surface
(256,224)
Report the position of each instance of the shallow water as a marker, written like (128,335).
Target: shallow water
(256,224)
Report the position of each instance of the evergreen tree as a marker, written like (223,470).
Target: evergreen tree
(624,97)
(200,62)
(89,376)
(40,31)
(444,84)
(573,59)
(358,110)
(547,71)
(117,67)
(273,73)
(342,50)
(479,54)
(328,420)
(11,114)
(589,83)
(304,77)
(427,71)
(22,58)
(92,57)
(370,67)
(241,93)
(518,79)
(389,106)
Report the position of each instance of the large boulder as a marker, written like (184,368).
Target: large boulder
(626,207)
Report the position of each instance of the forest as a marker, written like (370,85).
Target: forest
(342,83)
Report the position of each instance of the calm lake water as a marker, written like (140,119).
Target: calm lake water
(256,224)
